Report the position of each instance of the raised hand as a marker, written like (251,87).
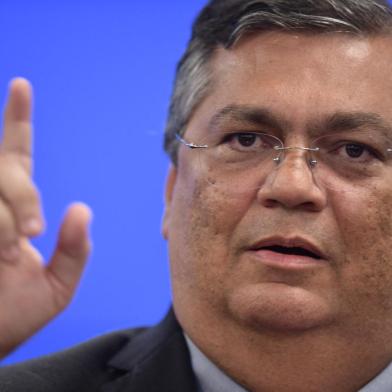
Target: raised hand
(31,293)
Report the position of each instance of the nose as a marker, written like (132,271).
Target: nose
(292,185)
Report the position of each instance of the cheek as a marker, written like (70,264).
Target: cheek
(385,214)
(366,270)
(365,221)
(202,226)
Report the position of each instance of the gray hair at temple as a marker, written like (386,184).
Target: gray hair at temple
(223,22)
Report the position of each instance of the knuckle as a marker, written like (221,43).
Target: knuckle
(25,195)
(16,186)
(21,196)
(9,159)
(7,226)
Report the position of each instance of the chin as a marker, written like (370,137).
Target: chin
(277,307)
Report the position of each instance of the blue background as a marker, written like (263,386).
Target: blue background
(102,72)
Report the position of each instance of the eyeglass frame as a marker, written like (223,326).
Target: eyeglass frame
(280,148)
(312,162)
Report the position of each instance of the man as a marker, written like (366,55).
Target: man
(277,215)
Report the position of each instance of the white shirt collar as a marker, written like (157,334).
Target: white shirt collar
(381,383)
(211,379)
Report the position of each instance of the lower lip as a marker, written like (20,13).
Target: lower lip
(283,261)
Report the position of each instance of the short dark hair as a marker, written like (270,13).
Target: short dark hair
(223,22)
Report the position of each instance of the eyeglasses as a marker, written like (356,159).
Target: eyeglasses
(239,161)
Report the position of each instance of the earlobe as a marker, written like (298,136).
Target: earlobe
(169,189)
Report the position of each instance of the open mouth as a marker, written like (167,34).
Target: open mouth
(295,251)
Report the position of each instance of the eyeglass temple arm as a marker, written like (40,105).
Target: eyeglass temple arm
(190,145)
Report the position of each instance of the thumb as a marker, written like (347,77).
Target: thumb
(72,249)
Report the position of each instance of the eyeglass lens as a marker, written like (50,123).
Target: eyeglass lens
(236,163)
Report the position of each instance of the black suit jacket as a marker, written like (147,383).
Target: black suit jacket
(143,360)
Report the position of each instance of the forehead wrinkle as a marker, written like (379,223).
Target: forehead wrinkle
(253,115)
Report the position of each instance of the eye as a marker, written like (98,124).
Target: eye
(355,150)
(358,152)
(248,141)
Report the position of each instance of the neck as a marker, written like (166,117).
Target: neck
(325,359)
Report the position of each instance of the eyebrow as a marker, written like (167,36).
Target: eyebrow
(334,123)
(251,115)
(346,121)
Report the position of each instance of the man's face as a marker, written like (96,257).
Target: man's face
(301,81)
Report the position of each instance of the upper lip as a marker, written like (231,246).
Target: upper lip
(289,242)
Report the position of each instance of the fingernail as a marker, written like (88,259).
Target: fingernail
(10,253)
(32,226)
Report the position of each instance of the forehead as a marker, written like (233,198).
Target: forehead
(303,77)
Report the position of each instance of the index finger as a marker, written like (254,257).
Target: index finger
(17,132)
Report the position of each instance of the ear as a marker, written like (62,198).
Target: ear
(169,188)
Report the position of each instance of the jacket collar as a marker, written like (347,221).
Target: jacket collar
(154,360)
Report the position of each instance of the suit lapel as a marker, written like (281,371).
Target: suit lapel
(156,360)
